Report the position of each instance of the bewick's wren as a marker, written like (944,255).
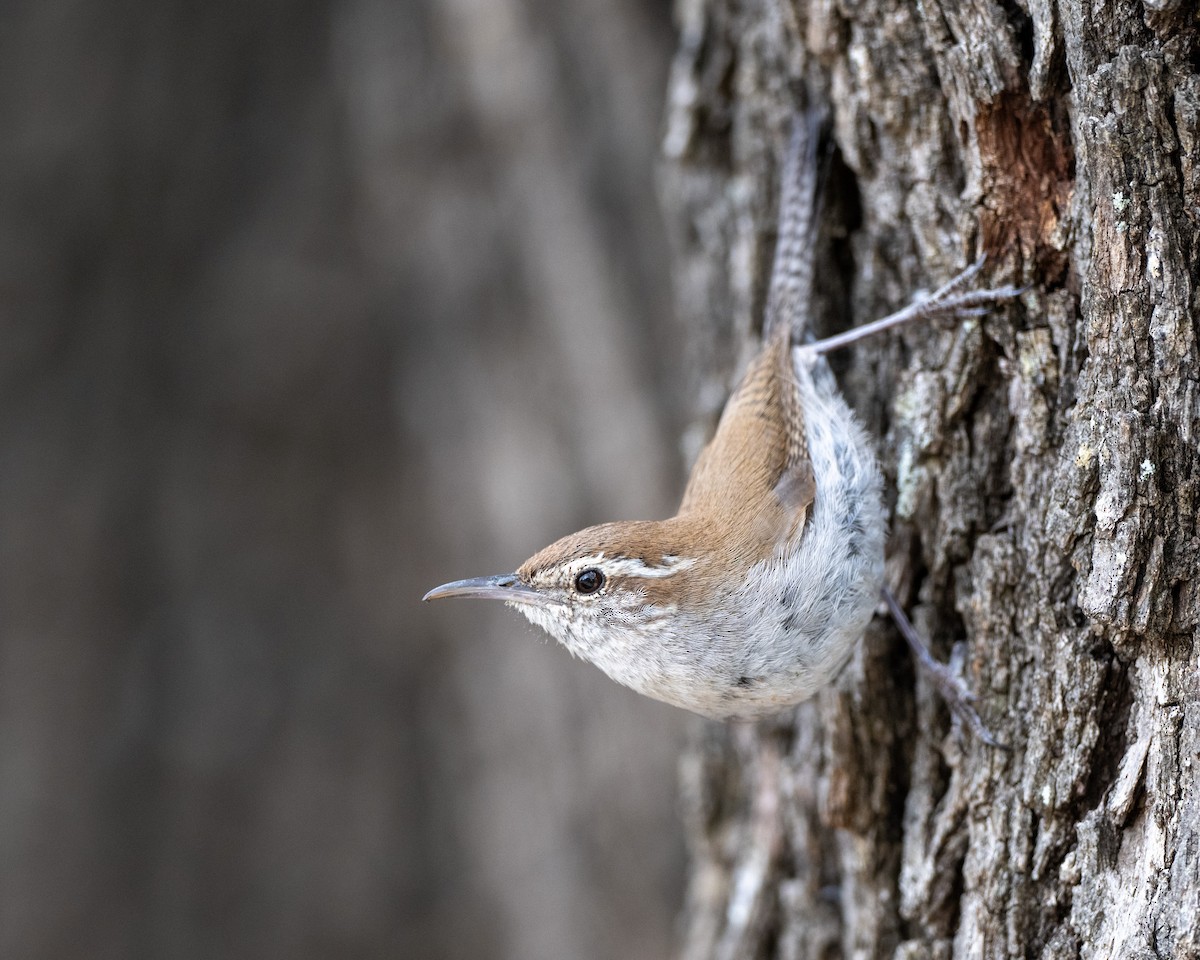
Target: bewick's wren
(753,595)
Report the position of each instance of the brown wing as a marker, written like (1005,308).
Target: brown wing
(759,453)
(797,486)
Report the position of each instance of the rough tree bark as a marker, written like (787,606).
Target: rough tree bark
(1042,464)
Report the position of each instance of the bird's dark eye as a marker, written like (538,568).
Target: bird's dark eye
(589,581)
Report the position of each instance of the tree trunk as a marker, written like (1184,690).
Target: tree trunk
(1042,466)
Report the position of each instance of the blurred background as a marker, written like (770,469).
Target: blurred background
(307,307)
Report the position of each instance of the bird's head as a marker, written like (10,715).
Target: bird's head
(602,592)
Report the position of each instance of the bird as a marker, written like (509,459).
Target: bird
(753,596)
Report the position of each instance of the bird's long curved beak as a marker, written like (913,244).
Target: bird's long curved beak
(505,586)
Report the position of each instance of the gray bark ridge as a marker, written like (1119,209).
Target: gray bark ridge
(1043,464)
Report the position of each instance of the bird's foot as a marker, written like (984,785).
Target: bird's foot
(950,688)
(954,298)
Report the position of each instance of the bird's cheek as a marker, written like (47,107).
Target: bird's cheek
(535,615)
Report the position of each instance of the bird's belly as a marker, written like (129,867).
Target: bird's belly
(788,623)
(784,633)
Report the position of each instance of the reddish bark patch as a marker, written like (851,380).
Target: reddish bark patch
(1028,175)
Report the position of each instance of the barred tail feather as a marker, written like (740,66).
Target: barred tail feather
(790,294)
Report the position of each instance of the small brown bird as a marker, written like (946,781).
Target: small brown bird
(752,596)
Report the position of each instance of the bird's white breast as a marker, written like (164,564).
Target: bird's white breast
(788,624)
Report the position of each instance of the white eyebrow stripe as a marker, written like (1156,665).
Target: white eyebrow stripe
(633,567)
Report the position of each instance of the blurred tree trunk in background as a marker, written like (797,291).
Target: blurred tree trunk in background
(305,308)
(1043,463)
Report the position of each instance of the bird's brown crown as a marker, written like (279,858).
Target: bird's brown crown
(649,542)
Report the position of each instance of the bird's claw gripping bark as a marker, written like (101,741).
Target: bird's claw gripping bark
(953,298)
(950,688)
